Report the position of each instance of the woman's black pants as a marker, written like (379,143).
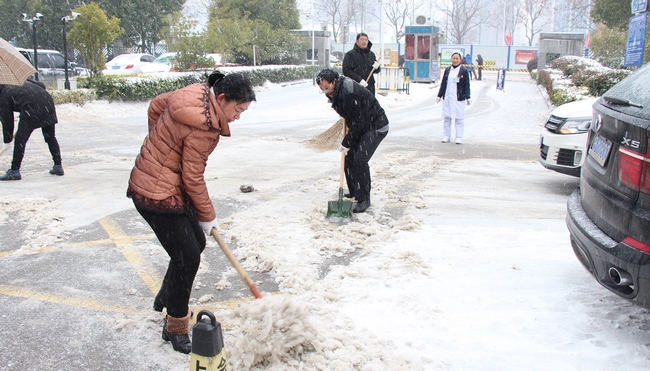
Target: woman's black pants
(183,239)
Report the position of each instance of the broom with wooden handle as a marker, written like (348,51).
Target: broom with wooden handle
(235,263)
(331,138)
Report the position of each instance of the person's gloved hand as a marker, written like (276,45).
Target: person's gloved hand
(207,226)
(344,149)
(438,99)
(469,102)
(375,65)
(363,83)
(6,147)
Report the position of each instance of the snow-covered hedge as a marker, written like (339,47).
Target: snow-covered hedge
(572,78)
(144,87)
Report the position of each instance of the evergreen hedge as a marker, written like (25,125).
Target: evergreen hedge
(142,88)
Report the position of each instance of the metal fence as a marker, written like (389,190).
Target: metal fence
(393,78)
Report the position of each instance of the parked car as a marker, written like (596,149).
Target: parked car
(609,214)
(164,63)
(128,63)
(51,64)
(563,142)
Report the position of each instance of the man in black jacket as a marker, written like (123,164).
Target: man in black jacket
(359,61)
(367,127)
(37,110)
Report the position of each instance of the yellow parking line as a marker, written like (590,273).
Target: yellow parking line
(49,297)
(141,264)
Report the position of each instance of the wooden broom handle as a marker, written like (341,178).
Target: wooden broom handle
(235,263)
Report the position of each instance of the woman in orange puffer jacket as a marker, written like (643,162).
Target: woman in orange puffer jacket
(168,188)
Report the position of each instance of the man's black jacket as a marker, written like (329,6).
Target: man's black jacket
(359,108)
(358,62)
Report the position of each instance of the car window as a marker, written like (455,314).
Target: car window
(147,58)
(43,61)
(26,55)
(636,89)
(57,60)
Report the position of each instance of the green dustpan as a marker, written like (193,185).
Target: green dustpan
(340,211)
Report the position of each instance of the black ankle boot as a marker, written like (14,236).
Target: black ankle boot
(361,206)
(180,343)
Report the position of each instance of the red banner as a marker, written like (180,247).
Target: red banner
(523,56)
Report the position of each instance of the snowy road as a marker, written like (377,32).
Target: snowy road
(463,261)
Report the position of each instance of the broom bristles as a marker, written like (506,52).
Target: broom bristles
(330,138)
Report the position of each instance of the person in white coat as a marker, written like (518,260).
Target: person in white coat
(454,89)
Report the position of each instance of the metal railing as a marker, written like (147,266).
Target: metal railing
(393,78)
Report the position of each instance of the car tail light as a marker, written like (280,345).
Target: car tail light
(634,169)
(636,244)
(129,66)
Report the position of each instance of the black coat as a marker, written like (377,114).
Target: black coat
(359,108)
(462,90)
(34,103)
(358,62)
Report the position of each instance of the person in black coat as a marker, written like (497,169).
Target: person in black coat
(367,127)
(359,61)
(37,110)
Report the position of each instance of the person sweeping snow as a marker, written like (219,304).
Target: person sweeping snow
(168,188)
(454,89)
(37,110)
(367,124)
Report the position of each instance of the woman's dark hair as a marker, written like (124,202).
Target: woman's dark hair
(460,55)
(235,86)
(328,75)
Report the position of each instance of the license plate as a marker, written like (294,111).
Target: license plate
(116,67)
(600,149)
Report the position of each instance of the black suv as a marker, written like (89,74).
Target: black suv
(609,214)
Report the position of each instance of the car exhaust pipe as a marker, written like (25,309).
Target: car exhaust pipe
(620,277)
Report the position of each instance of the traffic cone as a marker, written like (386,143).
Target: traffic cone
(208,352)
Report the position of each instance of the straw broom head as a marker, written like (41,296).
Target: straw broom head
(330,138)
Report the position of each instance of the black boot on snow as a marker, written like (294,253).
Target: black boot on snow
(11,175)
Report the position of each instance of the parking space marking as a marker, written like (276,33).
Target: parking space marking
(86,303)
(143,267)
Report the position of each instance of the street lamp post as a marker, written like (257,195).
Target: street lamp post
(65,19)
(32,21)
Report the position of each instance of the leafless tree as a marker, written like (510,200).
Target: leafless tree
(535,16)
(463,17)
(575,14)
(397,13)
(332,12)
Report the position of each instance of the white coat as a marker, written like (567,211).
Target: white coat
(451,106)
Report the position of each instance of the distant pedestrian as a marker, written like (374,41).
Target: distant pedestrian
(367,124)
(168,188)
(479,63)
(359,62)
(470,66)
(454,89)
(37,110)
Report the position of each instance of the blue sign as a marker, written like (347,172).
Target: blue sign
(639,6)
(636,40)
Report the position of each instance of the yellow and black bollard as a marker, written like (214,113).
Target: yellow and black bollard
(208,352)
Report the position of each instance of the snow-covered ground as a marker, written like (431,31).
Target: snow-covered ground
(463,261)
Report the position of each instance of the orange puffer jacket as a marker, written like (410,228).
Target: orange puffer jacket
(184,128)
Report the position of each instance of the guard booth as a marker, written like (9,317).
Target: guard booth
(421,53)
